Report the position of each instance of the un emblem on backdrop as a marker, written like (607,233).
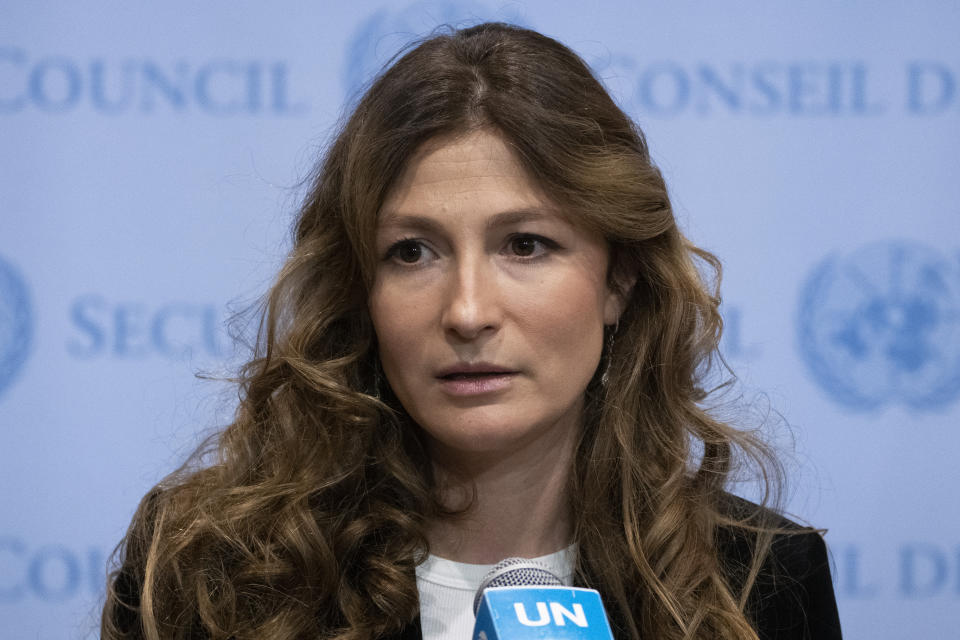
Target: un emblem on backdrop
(385,32)
(882,326)
(16,323)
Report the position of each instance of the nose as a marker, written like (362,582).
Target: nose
(472,306)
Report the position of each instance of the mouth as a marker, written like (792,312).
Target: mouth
(475,376)
(474,372)
(479,379)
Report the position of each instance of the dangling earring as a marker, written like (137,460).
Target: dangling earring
(377,377)
(611,331)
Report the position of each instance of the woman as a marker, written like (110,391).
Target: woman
(488,341)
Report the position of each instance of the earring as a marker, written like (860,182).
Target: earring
(608,353)
(377,376)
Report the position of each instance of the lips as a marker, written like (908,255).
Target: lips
(473,370)
(466,376)
(475,379)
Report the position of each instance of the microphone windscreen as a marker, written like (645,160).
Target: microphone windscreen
(520,599)
(515,572)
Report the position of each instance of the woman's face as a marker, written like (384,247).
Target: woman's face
(488,306)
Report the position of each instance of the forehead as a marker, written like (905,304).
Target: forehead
(476,171)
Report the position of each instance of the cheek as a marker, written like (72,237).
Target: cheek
(389,311)
(401,306)
(568,318)
(398,325)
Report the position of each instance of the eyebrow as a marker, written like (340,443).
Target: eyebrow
(502,219)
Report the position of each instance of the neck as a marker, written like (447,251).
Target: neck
(520,503)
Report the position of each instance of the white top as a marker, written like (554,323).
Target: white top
(447,589)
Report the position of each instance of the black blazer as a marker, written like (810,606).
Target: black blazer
(792,598)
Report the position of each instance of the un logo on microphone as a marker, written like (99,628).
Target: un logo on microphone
(16,324)
(882,326)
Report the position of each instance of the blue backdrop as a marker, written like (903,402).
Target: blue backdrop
(151,159)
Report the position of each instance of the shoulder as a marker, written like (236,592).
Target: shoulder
(793,548)
(121,616)
(121,612)
(792,593)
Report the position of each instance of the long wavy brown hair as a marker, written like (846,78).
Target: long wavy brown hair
(310,520)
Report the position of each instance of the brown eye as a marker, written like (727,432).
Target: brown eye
(531,246)
(409,252)
(524,246)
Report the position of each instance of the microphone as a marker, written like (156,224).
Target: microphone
(520,599)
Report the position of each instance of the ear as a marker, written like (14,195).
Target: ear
(618,293)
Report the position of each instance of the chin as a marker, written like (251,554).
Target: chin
(479,440)
(482,432)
